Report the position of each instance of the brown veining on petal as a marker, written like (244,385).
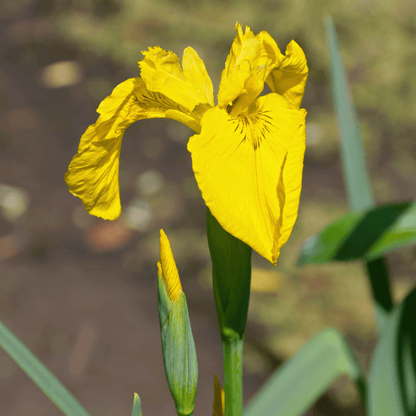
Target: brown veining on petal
(154,101)
(253,126)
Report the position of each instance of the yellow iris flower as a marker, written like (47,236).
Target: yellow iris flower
(247,153)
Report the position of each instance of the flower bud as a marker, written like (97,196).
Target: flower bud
(179,353)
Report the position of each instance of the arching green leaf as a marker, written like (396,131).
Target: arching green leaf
(367,235)
(293,389)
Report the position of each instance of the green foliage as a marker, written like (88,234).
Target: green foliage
(303,379)
(179,353)
(45,380)
(359,191)
(366,235)
(392,378)
(360,194)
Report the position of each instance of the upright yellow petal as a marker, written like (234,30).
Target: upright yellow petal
(270,52)
(251,59)
(196,74)
(241,64)
(244,47)
(289,76)
(239,164)
(161,71)
(93,172)
(167,268)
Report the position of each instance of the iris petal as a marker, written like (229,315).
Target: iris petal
(291,184)
(244,46)
(290,74)
(196,74)
(241,64)
(269,50)
(161,71)
(240,166)
(93,172)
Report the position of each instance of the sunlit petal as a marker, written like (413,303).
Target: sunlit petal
(239,164)
(161,71)
(93,172)
(241,63)
(291,184)
(290,74)
(197,75)
(244,47)
(270,52)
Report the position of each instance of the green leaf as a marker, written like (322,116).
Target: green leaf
(45,380)
(392,377)
(360,194)
(137,406)
(367,235)
(303,379)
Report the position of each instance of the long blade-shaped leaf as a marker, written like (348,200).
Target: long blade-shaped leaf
(45,380)
(303,379)
(392,377)
(360,194)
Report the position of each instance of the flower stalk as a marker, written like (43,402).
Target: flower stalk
(232,349)
(231,269)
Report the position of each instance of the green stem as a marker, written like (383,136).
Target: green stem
(378,274)
(232,349)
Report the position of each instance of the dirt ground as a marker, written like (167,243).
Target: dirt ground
(65,292)
(80,292)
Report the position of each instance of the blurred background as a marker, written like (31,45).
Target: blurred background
(81,291)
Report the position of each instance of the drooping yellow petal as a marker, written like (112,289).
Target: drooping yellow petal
(93,172)
(161,71)
(167,268)
(289,76)
(239,162)
(292,184)
(219,402)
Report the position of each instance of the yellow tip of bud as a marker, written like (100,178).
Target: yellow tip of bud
(167,268)
(219,398)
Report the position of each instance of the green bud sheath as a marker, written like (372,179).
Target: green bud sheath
(179,353)
(231,270)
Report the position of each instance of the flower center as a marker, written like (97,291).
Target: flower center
(253,126)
